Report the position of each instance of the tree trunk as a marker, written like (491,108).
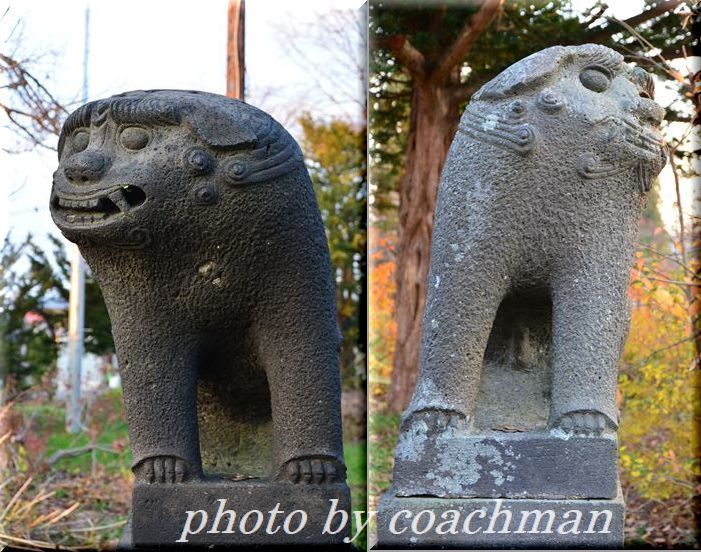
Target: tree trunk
(434,118)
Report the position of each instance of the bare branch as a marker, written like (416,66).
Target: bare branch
(462,92)
(674,282)
(32,110)
(473,28)
(407,55)
(600,34)
(71,452)
(673,258)
(666,348)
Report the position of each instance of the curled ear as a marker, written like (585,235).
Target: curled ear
(529,73)
(222,129)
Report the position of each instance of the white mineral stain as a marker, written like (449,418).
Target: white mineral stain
(459,258)
(559,434)
(498,477)
(412,442)
(206,268)
(427,396)
(438,281)
(434,323)
(490,122)
(454,246)
(461,465)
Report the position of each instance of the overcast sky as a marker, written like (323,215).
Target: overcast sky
(137,44)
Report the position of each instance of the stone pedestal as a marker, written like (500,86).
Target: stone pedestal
(469,523)
(534,464)
(535,489)
(241,513)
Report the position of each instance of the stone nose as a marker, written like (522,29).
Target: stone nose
(85,166)
(649,111)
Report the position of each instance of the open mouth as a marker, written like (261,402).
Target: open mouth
(98,208)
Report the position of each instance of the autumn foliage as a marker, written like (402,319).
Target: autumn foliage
(657,382)
(382,327)
(658,385)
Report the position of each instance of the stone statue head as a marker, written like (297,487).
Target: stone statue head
(585,94)
(124,157)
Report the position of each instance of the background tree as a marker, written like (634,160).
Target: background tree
(426,60)
(32,329)
(33,112)
(335,148)
(335,157)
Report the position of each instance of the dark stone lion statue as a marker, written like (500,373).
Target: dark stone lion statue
(196,215)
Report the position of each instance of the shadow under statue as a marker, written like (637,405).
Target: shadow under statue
(513,420)
(197,217)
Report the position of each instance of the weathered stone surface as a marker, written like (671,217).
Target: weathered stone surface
(197,217)
(537,212)
(160,513)
(482,523)
(527,307)
(514,465)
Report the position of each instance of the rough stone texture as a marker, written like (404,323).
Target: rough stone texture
(197,217)
(514,465)
(531,535)
(159,515)
(527,309)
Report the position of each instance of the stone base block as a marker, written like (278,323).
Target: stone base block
(439,523)
(241,513)
(536,464)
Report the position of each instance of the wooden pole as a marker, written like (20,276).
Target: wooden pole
(235,48)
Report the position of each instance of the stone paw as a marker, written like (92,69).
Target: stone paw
(583,423)
(162,469)
(433,421)
(313,470)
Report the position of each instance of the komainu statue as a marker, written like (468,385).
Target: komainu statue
(197,217)
(527,310)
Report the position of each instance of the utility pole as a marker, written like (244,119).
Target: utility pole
(76,303)
(235,48)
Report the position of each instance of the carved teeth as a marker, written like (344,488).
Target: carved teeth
(79,203)
(85,219)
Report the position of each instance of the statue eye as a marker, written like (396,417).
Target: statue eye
(595,78)
(80,140)
(134,138)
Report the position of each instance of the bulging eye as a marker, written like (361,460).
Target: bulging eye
(595,78)
(80,140)
(134,138)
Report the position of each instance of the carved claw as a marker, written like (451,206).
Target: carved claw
(313,470)
(162,469)
(583,423)
(434,421)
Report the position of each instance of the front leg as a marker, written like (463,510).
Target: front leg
(298,349)
(590,324)
(460,310)
(159,382)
